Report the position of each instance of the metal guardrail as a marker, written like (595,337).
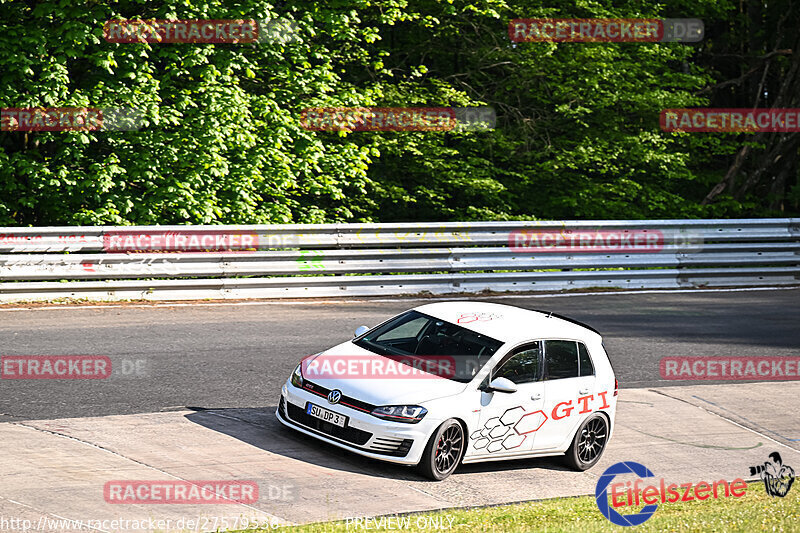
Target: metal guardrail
(291,261)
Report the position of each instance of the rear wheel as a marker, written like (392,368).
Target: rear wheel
(588,444)
(443,452)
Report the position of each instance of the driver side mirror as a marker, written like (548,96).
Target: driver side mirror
(360,330)
(502,385)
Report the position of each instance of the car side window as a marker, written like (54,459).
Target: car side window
(561,359)
(586,366)
(523,367)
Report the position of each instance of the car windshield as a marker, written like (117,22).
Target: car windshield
(432,345)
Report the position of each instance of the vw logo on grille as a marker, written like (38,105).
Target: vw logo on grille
(334,396)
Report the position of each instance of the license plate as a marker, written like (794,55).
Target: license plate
(328,416)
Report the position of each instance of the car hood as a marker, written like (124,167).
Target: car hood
(377,390)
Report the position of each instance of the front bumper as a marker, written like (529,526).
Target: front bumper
(365,434)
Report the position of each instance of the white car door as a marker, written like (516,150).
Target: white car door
(569,390)
(508,421)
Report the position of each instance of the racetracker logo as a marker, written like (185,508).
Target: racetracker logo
(731,120)
(70,119)
(634,493)
(605,30)
(731,368)
(55,367)
(536,240)
(398,118)
(382,367)
(180,492)
(179,241)
(181,31)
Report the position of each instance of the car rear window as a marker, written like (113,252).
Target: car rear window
(561,359)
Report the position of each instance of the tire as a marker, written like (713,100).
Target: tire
(444,451)
(589,443)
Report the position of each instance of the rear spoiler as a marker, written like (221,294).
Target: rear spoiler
(568,319)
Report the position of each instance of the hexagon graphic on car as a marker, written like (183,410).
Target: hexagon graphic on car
(507,431)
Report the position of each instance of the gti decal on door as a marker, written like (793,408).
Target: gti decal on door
(584,401)
(495,437)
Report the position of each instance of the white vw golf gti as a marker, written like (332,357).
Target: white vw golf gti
(459,382)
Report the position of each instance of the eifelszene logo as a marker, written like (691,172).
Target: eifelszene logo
(601,494)
(634,493)
(777,477)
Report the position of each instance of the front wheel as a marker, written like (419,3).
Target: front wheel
(443,452)
(588,444)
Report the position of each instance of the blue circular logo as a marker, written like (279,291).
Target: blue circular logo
(601,494)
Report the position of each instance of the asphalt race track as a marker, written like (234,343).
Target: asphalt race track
(236,356)
(193,391)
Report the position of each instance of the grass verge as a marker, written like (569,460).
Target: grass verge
(755,511)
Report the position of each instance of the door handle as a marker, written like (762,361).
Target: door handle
(583,391)
(536,396)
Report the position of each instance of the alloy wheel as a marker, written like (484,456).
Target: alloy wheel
(448,448)
(593,439)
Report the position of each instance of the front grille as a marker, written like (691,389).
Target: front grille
(349,434)
(381,445)
(349,401)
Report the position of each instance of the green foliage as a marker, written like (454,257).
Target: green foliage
(577,133)
(221,142)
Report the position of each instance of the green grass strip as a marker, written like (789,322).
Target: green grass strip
(755,511)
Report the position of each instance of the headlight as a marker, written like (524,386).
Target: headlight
(409,414)
(297,377)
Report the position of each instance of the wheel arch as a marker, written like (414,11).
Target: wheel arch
(571,437)
(609,424)
(465,429)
